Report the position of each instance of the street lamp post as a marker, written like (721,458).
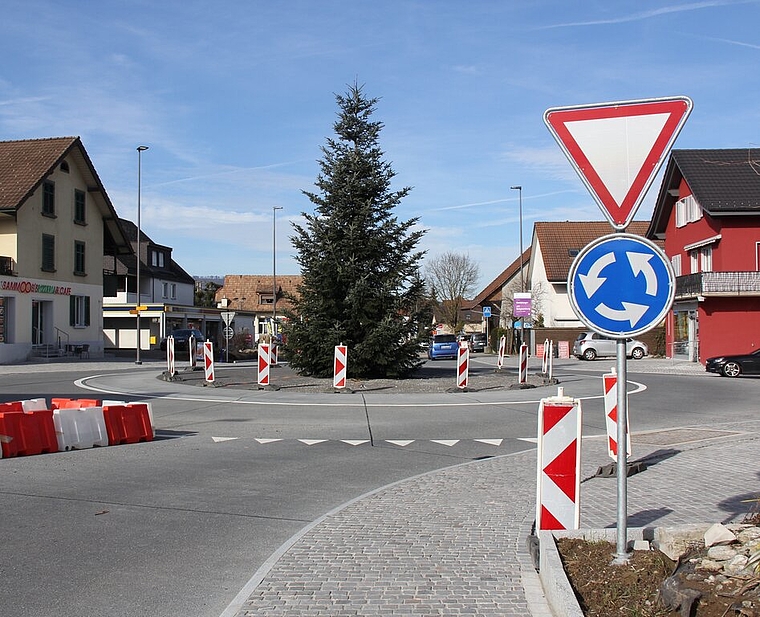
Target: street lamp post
(274,271)
(140,150)
(518,188)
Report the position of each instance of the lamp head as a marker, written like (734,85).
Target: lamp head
(142,148)
(516,188)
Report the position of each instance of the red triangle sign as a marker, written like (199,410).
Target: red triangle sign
(618,148)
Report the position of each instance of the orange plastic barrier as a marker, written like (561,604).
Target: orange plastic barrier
(73,403)
(24,433)
(127,423)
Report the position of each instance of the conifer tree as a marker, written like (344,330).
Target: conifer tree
(360,265)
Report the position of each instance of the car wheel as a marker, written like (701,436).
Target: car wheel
(732,369)
(589,354)
(637,353)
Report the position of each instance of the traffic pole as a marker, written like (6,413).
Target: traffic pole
(502,350)
(522,375)
(463,365)
(208,361)
(621,555)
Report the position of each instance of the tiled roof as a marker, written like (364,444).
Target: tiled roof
(492,291)
(243,290)
(24,165)
(723,181)
(560,242)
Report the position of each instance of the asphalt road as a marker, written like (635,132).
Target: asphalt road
(178,525)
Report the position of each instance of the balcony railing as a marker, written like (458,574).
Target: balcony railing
(718,284)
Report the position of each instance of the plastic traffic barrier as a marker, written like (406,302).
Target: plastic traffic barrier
(129,423)
(24,433)
(79,428)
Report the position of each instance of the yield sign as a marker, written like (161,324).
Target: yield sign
(618,148)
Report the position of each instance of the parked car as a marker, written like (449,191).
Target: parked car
(443,346)
(182,337)
(733,366)
(591,345)
(479,342)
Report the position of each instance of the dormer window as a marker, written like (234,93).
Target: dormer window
(157,259)
(265,298)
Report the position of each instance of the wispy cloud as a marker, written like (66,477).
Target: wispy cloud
(643,15)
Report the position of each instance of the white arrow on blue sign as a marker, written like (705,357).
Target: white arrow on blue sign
(621,285)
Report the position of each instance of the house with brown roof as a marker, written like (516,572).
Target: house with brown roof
(56,224)
(708,214)
(555,245)
(263,297)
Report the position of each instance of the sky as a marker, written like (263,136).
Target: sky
(236,98)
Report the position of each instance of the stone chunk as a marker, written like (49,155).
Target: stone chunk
(718,534)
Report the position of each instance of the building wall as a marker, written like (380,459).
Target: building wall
(555,303)
(728,326)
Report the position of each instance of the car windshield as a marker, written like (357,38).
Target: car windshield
(445,338)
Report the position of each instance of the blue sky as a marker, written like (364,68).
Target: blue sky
(235,99)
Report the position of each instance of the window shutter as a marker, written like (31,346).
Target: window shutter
(72,311)
(87,310)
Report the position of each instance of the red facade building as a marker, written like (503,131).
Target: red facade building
(708,214)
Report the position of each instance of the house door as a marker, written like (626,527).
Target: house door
(38,323)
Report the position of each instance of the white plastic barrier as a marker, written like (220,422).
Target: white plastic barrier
(34,404)
(79,428)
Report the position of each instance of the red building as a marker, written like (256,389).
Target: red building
(708,213)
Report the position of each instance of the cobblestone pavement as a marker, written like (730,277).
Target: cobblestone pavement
(453,542)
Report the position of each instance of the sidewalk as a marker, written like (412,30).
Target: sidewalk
(454,541)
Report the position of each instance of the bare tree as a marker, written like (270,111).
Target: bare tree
(452,278)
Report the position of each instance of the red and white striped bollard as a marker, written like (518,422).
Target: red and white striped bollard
(522,369)
(340,364)
(610,412)
(208,361)
(463,365)
(263,364)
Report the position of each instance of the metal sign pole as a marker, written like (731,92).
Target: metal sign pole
(621,556)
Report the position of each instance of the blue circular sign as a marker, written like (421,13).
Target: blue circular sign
(621,285)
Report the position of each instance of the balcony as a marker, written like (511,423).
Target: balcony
(7,266)
(724,284)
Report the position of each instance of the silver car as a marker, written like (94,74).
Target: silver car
(591,345)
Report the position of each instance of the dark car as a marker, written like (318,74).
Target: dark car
(443,346)
(478,342)
(182,337)
(733,366)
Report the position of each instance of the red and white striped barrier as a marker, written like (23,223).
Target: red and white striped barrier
(192,348)
(545,357)
(502,350)
(170,354)
(610,412)
(263,364)
(340,364)
(273,351)
(208,361)
(522,374)
(559,463)
(463,365)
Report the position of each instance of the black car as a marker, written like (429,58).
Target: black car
(478,342)
(733,366)
(182,337)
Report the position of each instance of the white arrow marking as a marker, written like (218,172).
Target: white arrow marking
(491,442)
(630,312)
(311,442)
(221,439)
(264,441)
(355,442)
(592,281)
(446,442)
(400,442)
(640,263)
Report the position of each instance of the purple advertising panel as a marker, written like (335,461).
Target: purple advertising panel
(522,305)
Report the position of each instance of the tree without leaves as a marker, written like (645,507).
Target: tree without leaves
(453,278)
(360,265)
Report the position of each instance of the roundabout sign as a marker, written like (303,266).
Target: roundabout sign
(621,285)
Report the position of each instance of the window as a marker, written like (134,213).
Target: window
(676,263)
(48,253)
(157,259)
(79,206)
(64,167)
(169,290)
(266,298)
(688,210)
(79,261)
(694,261)
(706,259)
(79,311)
(48,198)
